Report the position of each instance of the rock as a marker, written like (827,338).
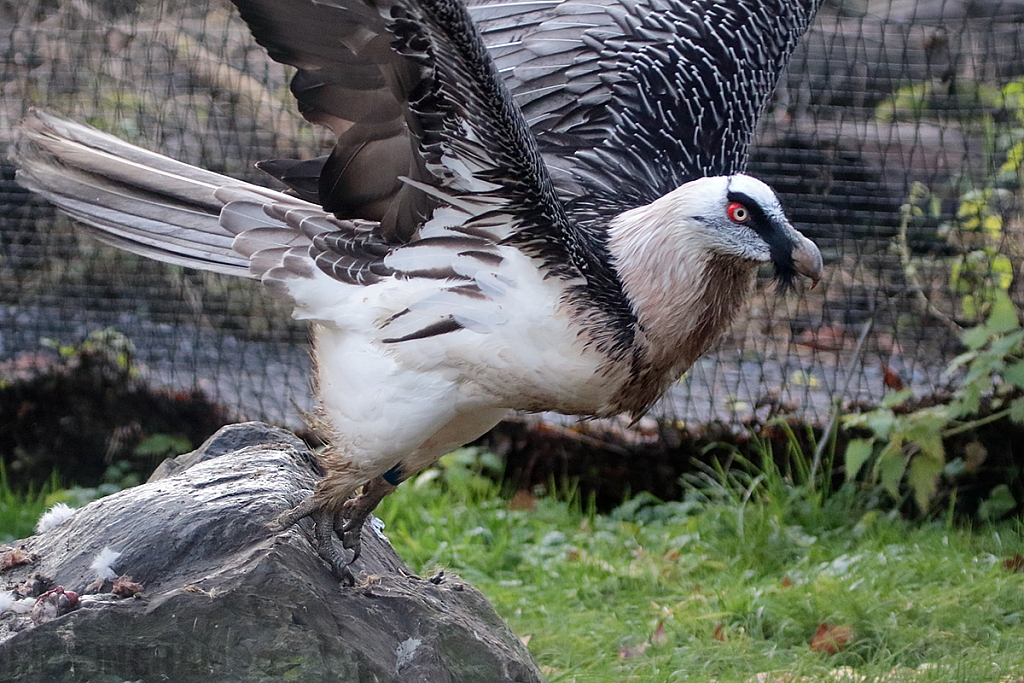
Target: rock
(225,598)
(232,438)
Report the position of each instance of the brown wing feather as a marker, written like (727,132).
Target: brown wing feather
(350,80)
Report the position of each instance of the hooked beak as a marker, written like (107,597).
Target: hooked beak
(807,259)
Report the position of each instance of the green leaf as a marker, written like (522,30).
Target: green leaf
(960,361)
(969,308)
(1017,410)
(1003,269)
(1005,344)
(1013,92)
(928,437)
(1014,374)
(897,397)
(163,445)
(891,465)
(974,339)
(881,422)
(1003,317)
(1014,157)
(923,478)
(954,468)
(931,419)
(970,401)
(999,502)
(858,452)
(993,227)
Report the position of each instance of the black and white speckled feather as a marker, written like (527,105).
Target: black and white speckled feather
(630,100)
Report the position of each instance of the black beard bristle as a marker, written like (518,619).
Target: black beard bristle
(784,280)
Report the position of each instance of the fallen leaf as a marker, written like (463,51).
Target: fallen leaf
(1015,564)
(15,557)
(525,640)
(719,633)
(786,582)
(658,638)
(124,587)
(831,638)
(975,454)
(637,651)
(523,500)
(891,378)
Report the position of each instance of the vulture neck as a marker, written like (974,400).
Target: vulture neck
(683,294)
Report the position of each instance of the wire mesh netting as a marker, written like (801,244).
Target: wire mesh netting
(894,141)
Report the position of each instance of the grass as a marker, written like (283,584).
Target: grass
(730,584)
(738,585)
(20,511)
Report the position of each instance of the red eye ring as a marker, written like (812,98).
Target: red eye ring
(737,212)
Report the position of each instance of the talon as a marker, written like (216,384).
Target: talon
(347,525)
(324,524)
(289,518)
(324,543)
(351,534)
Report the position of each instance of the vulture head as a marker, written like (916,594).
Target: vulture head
(753,226)
(735,220)
(687,261)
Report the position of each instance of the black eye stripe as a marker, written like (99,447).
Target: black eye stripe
(779,245)
(757,218)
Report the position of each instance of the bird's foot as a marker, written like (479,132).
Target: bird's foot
(346,524)
(357,509)
(324,524)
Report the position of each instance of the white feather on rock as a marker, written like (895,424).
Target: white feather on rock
(103,564)
(54,516)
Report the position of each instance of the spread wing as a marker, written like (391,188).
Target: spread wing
(630,99)
(627,99)
(433,169)
(623,102)
(617,102)
(424,120)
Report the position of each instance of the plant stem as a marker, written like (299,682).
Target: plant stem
(967,426)
(910,274)
(833,418)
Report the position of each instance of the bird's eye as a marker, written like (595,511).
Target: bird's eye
(737,212)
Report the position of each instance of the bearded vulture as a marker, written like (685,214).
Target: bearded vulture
(532,205)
